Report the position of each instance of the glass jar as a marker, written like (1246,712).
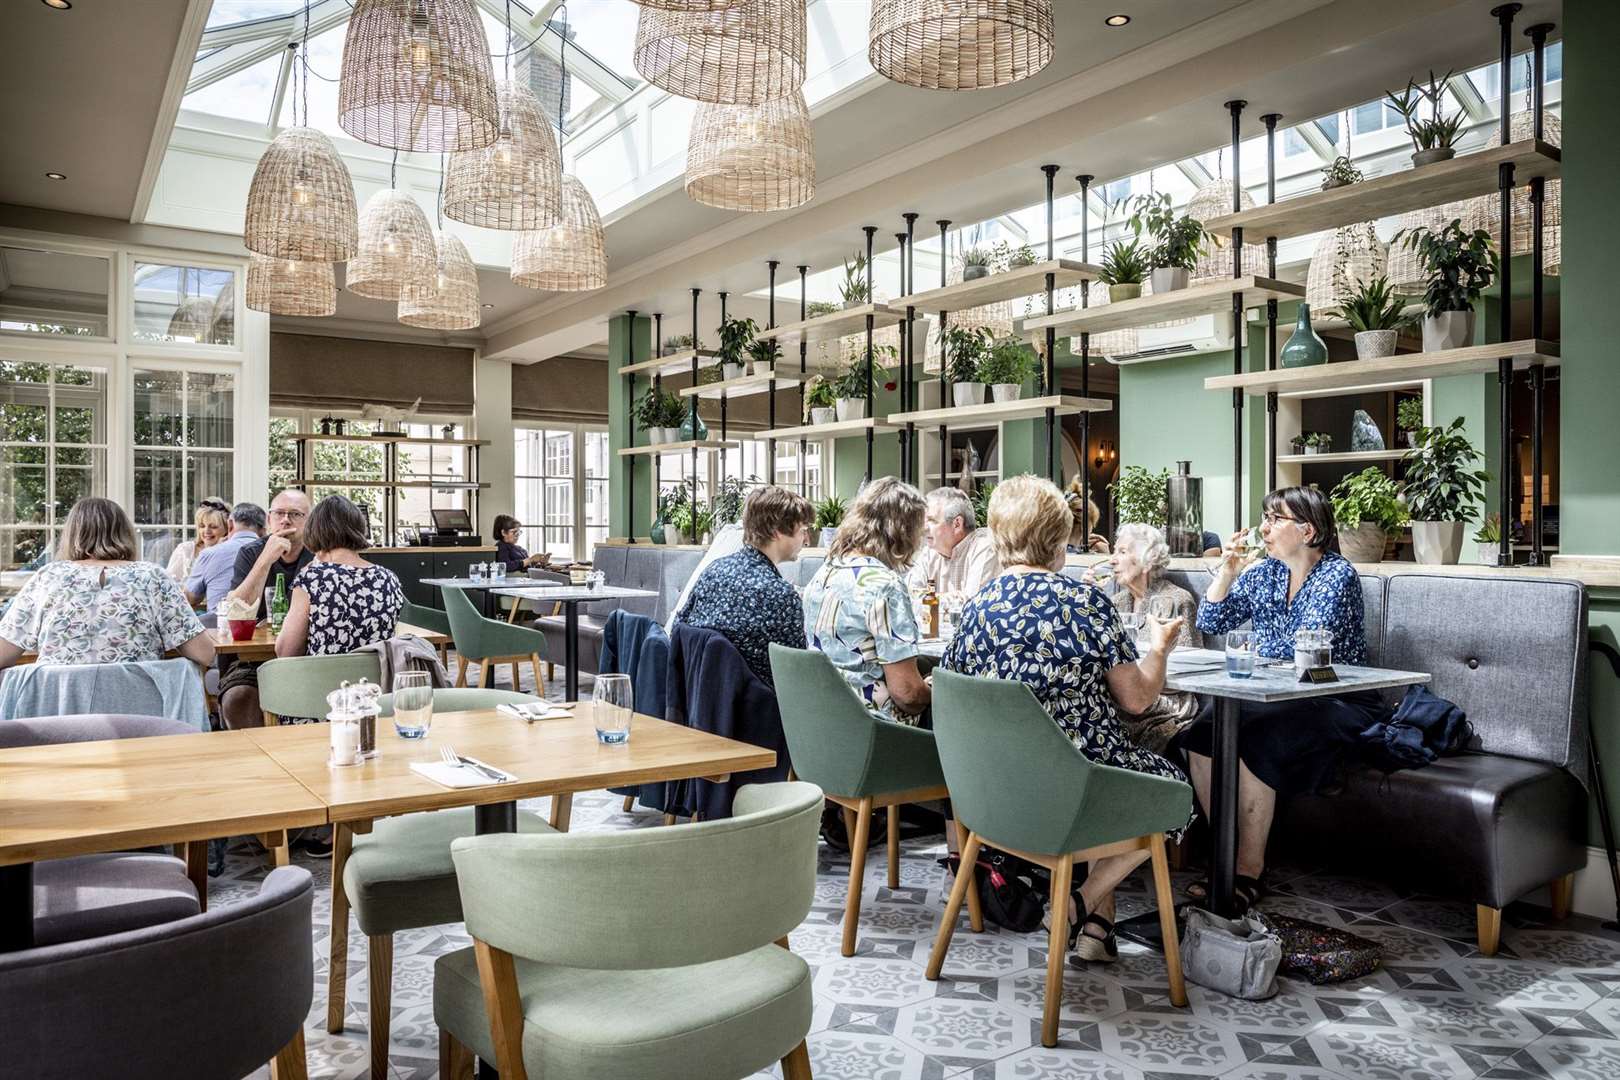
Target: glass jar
(1312,649)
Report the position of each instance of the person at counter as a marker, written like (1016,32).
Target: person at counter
(507,549)
(959,556)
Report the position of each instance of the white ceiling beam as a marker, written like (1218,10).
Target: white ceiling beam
(1317,139)
(1462,88)
(1194,170)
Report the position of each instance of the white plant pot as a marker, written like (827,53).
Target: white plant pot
(1489,554)
(853,304)
(851,408)
(1362,544)
(828,535)
(820,415)
(1375,344)
(1448,330)
(1168,279)
(967,393)
(759,367)
(731,371)
(1437,543)
(1005,391)
(1116,293)
(672,434)
(1312,451)
(672,535)
(655,436)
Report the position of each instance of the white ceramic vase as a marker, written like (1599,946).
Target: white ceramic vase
(967,393)
(1448,330)
(1168,279)
(731,371)
(1006,391)
(1437,543)
(851,408)
(1376,344)
(823,415)
(655,436)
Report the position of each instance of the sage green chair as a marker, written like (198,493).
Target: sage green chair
(430,618)
(490,642)
(860,761)
(1018,784)
(397,874)
(628,955)
(297,685)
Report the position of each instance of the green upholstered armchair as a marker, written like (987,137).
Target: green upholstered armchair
(489,642)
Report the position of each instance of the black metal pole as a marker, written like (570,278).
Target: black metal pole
(804,444)
(900,359)
(694,412)
(723,402)
(1538,373)
(909,383)
(658,387)
(1085,356)
(1508,458)
(1270,120)
(630,419)
(1235,107)
(1052,472)
(944,358)
(770,387)
(871,434)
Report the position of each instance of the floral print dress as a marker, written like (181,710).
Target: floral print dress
(73,614)
(349,606)
(858,612)
(745,597)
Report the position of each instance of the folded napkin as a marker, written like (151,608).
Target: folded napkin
(535,712)
(463,776)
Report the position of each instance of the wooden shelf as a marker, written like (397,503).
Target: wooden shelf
(993,288)
(834,325)
(315,436)
(1388,372)
(437,485)
(1203,299)
(1000,411)
(740,387)
(1348,457)
(827,431)
(675,363)
(677,447)
(1411,189)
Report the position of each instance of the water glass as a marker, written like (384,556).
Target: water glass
(1240,654)
(1132,622)
(497,571)
(597,579)
(413,704)
(475,573)
(613,705)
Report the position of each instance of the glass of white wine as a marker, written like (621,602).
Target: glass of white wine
(413,704)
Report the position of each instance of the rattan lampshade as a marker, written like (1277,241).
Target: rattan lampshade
(450,300)
(688,5)
(1485,212)
(959,44)
(516,183)
(1110,342)
(1405,270)
(192,320)
(223,329)
(396,247)
(1214,200)
(416,76)
(1344,258)
(285,287)
(747,54)
(752,157)
(301,202)
(571,256)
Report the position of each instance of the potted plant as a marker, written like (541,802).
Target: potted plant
(849,389)
(764,354)
(1123,267)
(829,515)
(853,289)
(1441,490)
(660,532)
(1298,442)
(676,414)
(1318,442)
(678,516)
(735,336)
(1367,508)
(1489,538)
(820,400)
(817,308)
(1004,367)
(1177,241)
(1141,497)
(1374,312)
(976,263)
(649,413)
(1433,139)
(1021,256)
(1461,265)
(965,348)
(1409,417)
(728,499)
(1340,174)
(679,342)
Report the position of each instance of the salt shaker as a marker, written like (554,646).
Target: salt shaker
(353,717)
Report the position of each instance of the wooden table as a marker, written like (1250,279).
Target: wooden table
(262,645)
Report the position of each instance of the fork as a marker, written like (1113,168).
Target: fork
(456,761)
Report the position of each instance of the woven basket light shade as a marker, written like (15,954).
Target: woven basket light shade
(1348,256)
(688,5)
(450,300)
(1405,271)
(959,44)
(285,287)
(192,320)
(571,256)
(516,183)
(396,247)
(1485,212)
(416,76)
(301,202)
(747,54)
(1214,200)
(752,157)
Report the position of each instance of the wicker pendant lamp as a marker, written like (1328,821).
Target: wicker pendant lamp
(688,5)
(1348,256)
(416,76)
(1405,270)
(1110,342)
(286,287)
(301,202)
(959,44)
(570,256)
(752,157)
(192,320)
(1214,200)
(396,247)
(746,54)
(450,300)
(1485,211)
(515,183)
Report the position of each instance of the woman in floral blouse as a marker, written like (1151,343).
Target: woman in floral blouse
(1064,639)
(340,602)
(1287,747)
(857,609)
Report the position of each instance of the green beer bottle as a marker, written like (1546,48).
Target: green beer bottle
(278,604)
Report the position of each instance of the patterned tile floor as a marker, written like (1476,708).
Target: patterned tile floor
(1548,1005)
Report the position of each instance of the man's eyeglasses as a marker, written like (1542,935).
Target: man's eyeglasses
(290,515)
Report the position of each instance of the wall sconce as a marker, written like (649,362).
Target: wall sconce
(1106,455)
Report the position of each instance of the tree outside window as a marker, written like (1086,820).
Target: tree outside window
(53,452)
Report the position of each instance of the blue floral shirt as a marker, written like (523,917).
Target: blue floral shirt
(743,597)
(1330,599)
(858,612)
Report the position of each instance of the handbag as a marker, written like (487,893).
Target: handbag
(1238,957)
(1321,953)
(1010,891)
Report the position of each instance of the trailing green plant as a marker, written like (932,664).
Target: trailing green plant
(735,336)
(1177,238)
(1140,496)
(1124,263)
(1007,361)
(819,393)
(670,500)
(1023,255)
(1368,497)
(1409,414)
(830,512)
(1438,131)
(1441,482)
(1374,305)
(765,353)
(853,289)
(1341,171)
(679,342)
(1490,529)
(729,498)
(817,308)
(1461,264)
(980,498)
(965,347)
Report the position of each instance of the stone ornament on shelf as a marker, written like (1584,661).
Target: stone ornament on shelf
(1364,434)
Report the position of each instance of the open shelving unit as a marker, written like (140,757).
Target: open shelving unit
(834,325)
(1203,299)
(1012,284)
(1388,372)
(834,430)
(742,386)
(390,441)
(694,445)
(997,412)
(1348,457)
(673,363)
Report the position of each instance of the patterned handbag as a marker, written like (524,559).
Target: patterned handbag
(1320,953)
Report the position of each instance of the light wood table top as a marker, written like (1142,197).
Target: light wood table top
(262,645)
(78,798)
(548,757)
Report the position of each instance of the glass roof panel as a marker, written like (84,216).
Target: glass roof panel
(325,61)
(234,12)
(607,30)
(246,95)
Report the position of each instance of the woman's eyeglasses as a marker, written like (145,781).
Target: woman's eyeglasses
(1276,519)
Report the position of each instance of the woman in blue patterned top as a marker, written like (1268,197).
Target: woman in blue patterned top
(1289,747)
(1064,639)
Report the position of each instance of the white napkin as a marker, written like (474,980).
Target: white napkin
(456,777)
(547,713)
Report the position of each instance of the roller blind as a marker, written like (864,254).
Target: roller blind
(311,370)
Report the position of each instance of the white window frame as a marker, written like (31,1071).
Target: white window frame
(577,526)
(53,528)
(156,362)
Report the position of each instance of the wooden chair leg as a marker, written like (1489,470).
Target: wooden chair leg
(629,803)
(669,818)
(953,906)
(796,1066)
(270,718)
(1563,896)
(516,686)
(857,870)
(975,911)
(498,977)
(486,672)
(455,1060)
(1167,920)
(1057,947)
(290,1062)
(1177,854)
(893,814)
(562,809)
(337,962)
(197,869)
(380,977)
(1490,928)
(461,673)
(539,683)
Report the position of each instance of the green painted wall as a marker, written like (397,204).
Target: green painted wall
(627,345)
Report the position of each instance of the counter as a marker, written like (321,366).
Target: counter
(432,549)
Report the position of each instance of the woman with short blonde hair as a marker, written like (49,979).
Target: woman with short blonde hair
(1029,522)
(1083,511)
(885,522)
(213,523)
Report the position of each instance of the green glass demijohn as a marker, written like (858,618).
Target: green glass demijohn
(1303,348)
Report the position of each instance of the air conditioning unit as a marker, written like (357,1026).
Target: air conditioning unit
(1205,333)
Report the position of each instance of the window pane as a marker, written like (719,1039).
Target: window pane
(210,409)
(24,493)
(21,548)
(184,304)
(51,292)
(157,408)
(596,502)
(80,473)
(209,477)
(159,497)
(597,458)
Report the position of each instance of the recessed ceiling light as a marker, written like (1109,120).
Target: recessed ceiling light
(55,176)
(489,305)
(1116,20)
(59,5)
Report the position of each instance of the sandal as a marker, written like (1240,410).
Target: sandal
(1074,927)
(1098,949)
(1246,892)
